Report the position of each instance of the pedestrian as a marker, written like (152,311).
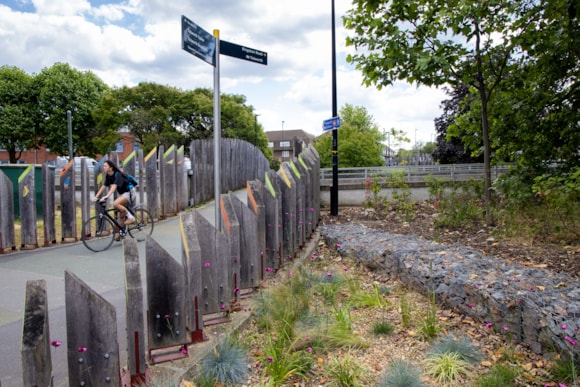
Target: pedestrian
(116,180)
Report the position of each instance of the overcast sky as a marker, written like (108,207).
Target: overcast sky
(127,42)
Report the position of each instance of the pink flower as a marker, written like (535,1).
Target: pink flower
(269,359)
(184,350)
(345,268)
(290,272)
(309,349)
(82,349)
(469,305)
(570,340)
(55,343)
(222,306)
(488,325)
(329,274)
(207,264)
(506,328)
(564,326)
(269,269)
(338,245)
(311,209)
(236,290)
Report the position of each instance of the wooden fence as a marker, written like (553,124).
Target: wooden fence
(281,212)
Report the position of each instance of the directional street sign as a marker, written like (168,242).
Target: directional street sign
(197,41)
(331,124)
(242,52)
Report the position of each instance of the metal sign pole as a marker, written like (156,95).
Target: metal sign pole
(70,141)
(217,129)
(334,188)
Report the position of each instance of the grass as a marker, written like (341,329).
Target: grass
(401,373)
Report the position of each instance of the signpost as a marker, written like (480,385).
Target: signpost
(197,41)
(331,124)
(200,43)
(242,52)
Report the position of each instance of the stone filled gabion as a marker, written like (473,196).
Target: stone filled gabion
(537,307)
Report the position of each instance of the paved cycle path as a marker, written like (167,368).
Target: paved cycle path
(103,272)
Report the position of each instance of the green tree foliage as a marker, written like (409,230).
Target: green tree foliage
(61,88)
(17,112)
(360,143)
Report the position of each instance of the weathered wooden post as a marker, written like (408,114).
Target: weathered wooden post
(307,203)
(27,205)
(167,181)
(152,184)
(191,259)
(135,319)
(86,203)
(255,191)
(273,203)
(48,205)
(292,170)
(165,305)
(36,359)
(250,258)
(288,189)
(230,226)
(180,180)
(92,346)
(215,252)
(68,204)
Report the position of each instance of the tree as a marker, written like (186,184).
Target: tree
(18,110)
(61,88)
(453,143)
(359,144)
(434,43)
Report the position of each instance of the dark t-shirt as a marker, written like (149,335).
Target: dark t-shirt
(117,178)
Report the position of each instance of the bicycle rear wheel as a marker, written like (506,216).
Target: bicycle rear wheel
(143,225)
(98,233)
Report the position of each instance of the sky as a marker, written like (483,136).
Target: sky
(132,41)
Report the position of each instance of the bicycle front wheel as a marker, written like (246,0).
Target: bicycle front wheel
(143,225)
(98,233)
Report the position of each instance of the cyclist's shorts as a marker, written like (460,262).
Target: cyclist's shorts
(130,195)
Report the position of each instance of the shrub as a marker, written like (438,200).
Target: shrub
(401,374)
(226,364)
(462,346)
(447,368)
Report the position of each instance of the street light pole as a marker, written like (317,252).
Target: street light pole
(334,188)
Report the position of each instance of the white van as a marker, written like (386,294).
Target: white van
(61,162)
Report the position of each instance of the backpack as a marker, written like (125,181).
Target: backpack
(131,180)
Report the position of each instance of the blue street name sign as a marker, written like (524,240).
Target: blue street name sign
(242,52)
(197,41)
(331,124)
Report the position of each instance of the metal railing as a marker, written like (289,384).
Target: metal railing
(413,173)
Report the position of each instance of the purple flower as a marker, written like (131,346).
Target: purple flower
(82,349)
(564,326)
(345,268)
(329,274)
(506,328)
(570,340)
(469,305)
(222,306)
(55,343)
(309,349)
(269,359)
(207,264)
(338,245)
(269,269)
(488,325)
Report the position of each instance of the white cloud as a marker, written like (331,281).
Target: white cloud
(128,41)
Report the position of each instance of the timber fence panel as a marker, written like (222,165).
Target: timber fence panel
(168,187)
(85,194)
(68,204)
(7,236)
(27,206)
(165,301)
(313,157)
(250,258)
(273,204)
(255,194)
(215,252)
(48,205)
(288,189)
(180,180)
(134,318)
(92,343)
(191,260)
(152,184)
(35,351)
(307,203)
(231,228)
(299,212)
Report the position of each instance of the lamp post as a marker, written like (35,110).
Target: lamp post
(256,129)
(334,188)
(282,142)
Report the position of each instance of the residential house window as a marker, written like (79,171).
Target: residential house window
(284,144)
(270,144)
(285,154)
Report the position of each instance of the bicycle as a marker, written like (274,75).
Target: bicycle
(106,227)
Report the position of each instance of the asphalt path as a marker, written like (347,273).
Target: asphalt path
(103,272)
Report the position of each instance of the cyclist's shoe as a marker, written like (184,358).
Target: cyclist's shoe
(121,234)
(129,219)
(118,238)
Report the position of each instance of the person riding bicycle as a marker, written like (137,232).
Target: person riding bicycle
(116,180)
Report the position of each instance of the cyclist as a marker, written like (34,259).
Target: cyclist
(115,180)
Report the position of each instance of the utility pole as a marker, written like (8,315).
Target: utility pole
(334,188)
